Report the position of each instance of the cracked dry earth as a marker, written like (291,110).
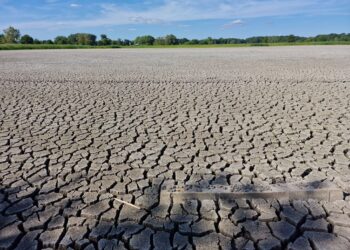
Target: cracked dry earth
(88,138)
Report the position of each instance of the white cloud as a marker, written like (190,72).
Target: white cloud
(237,22)
(145,20)
(233,23)
(74,5)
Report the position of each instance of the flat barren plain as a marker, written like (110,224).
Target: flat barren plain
(228,148)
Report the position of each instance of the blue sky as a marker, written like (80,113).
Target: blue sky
(45,19)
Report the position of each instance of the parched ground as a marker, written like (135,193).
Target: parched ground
(89,138)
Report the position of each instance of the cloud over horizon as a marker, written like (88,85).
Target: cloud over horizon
(175,11)
(54,15)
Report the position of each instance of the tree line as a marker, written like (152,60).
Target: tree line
(13,35)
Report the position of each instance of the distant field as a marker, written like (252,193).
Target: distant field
(236,45)
(56,46)
(50,46)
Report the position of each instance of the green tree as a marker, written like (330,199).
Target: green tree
(26,39)
(159,41)
(86,39)
(61,40)
(117,42)
(171,40)
(82,39)
(104,40)
(291,39)
(183,40)
(11,35)
(2,38)
(37,41)
(254,39)
(127,42)
(72,39)
(144,40)
(47,42)
(193,41)
(208,40)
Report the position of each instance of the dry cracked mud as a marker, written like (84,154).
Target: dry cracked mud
(88,139)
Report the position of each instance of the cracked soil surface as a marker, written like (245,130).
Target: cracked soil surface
(88,138)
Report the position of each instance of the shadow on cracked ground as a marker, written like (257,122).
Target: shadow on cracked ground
(31,220)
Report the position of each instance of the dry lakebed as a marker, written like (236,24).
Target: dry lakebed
(221,148)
